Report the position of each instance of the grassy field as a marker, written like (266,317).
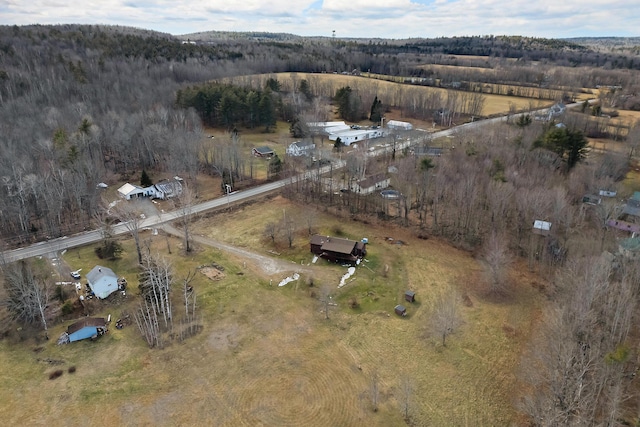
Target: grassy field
(266,355)
(329,83)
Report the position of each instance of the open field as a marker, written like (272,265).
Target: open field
(266,355)
(327,84)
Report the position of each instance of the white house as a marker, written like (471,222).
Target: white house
(348,137)
(301,148)
(130,191)
(102,281)
(371,184)
(397,124)
(162,190)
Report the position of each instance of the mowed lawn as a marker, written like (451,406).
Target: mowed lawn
(266,355)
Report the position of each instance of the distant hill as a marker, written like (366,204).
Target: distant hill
(610,44)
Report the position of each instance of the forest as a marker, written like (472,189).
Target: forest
(82,105)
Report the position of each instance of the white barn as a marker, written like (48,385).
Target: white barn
(328,127)
(350,136)
(397,124)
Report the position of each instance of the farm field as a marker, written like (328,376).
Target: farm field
(266,355)
(327,84)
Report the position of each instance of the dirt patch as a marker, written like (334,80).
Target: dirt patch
(212,273)
(224,338)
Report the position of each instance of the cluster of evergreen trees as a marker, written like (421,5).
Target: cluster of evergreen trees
(227,106)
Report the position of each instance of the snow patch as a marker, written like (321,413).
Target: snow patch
(286,280)
(349,273)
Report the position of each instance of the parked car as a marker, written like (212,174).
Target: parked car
(75,275)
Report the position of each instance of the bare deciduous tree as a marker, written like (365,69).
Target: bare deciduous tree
(271,231)
(497,261)
(130,213)
(445,315)
(27,294)
(406,394)
(186,200)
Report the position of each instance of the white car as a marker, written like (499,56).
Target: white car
(75,275)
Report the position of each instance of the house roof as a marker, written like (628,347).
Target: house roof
(317,239)
(97,322)
(264,150)
(128,189)
(632,207)
(169,188)
(542,225)
(342,246)
(99,272)
(372,180)
(631,244)
(427,151)
(304,144)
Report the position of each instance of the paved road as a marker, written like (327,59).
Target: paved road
(57,245)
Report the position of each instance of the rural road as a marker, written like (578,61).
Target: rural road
(56,245)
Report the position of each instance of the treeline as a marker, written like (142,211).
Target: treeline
(226,106)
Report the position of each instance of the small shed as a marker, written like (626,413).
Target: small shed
(263,151)
(102,281)
(543,228)
(410,296)
(89,327)
(591,199)
(401,310)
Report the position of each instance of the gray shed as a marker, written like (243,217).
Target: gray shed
(410,296)
(401,310)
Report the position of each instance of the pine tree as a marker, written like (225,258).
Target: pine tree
(376,111)
(145,180)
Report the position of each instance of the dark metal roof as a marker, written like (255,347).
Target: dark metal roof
(97,322)
(342,246)
(264,150)
(318,239)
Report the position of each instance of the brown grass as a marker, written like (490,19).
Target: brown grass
(266,356)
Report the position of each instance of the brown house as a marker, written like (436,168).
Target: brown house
(337,249)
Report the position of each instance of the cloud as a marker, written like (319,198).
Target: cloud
(349,18)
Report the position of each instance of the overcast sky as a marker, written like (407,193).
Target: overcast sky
(349,18)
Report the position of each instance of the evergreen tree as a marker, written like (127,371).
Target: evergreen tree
(305,89)
(275,165)
(145,180)
(267,111)
(376,111)
(273,84)
(571,145)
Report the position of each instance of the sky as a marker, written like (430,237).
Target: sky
(391,19)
